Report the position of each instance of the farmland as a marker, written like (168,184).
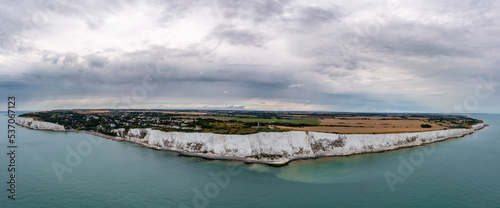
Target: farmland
(275,121)
(247,122)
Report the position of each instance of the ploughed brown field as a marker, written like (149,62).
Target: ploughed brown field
(369,125)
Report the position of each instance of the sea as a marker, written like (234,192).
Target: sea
(67,169)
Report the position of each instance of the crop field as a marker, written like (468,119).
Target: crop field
(255,120)
(291,121)
(246,122)
(368,125)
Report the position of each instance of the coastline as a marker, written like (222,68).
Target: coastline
(181,153)
(281,160)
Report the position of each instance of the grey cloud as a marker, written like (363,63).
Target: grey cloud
(118,77)
(51,57)
(428,48)
(315,15)
(266,9)
(443,44)
(310,19)
(70,58)
(13,22)
(176,9)
(171,56)
(96,61)
(411,39)
(159,52)
(228,33)
(94,24)
(257,11)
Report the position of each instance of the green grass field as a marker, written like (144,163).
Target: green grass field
(261,120)
(292,121)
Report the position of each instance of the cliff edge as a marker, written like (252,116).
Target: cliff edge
(282,147)
(32,124)
(269,147)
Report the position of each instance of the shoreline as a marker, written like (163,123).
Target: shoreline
(277,163)
(180,152)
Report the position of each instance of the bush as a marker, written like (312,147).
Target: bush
(425,125)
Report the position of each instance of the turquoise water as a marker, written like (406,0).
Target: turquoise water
(462,172)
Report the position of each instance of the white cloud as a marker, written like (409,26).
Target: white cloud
(295,85)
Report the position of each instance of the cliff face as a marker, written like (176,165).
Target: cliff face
(32,124)
(270,147)
(280,147)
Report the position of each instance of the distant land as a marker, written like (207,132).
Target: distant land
(248,122)
(274,138)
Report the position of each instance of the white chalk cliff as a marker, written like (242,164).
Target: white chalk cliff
(281,147)
(270,147)
(32,124)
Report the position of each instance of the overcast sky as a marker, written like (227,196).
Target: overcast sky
(364,56)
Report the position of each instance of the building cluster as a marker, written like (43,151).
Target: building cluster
(107,121)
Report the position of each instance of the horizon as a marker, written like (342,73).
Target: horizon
(291,111)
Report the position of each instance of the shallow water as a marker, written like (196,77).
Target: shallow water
(461,172)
